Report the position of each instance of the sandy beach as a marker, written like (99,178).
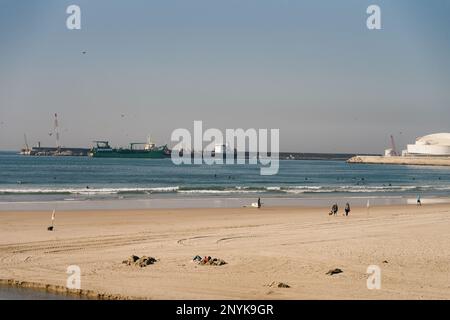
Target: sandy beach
(293,245)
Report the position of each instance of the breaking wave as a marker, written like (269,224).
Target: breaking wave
(222,190)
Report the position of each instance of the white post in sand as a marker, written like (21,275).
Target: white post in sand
(368,206)
(53,217)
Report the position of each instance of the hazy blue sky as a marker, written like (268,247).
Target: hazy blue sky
(310,68)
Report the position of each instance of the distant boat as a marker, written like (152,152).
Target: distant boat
(25,151)
(149,151)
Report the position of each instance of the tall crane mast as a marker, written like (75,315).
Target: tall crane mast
(26,142)
(394,149)
(58,146)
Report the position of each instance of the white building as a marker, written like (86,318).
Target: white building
(220,148)
(389,153)
(437,144)
(223,149)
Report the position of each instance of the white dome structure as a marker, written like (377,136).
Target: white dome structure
(437,144)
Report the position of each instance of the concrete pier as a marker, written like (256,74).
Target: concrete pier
(416,161)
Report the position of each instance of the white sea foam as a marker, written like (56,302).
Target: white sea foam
(224,190)
(86,191)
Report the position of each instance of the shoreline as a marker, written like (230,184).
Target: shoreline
(61,290)
(294,245)
(214,202)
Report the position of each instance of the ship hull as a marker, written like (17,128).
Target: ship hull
(130,154)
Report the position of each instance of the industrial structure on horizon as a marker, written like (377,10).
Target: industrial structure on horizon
(433,149)
(53,151)
(437,144)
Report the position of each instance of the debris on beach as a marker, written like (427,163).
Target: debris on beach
(334,271)
(385,261)
(140,262)
(145,261)
(275,284)
(131,260)
(207,260)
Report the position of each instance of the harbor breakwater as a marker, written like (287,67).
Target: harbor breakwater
(417,161)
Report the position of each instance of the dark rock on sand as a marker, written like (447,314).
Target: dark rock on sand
(209,261)
(217,262)
(145,261)
(334,271)
(275,284)
(141,262)
(131,260)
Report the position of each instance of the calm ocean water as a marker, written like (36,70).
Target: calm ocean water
(13,293)
(31,179)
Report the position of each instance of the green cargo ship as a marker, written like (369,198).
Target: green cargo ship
(149,151)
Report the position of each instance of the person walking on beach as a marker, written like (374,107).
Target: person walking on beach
(347,209)
(335,209)
(419,202)
(259,203)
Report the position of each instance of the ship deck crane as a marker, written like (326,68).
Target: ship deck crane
(27,148)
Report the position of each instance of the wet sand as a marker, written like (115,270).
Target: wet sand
(292,245)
